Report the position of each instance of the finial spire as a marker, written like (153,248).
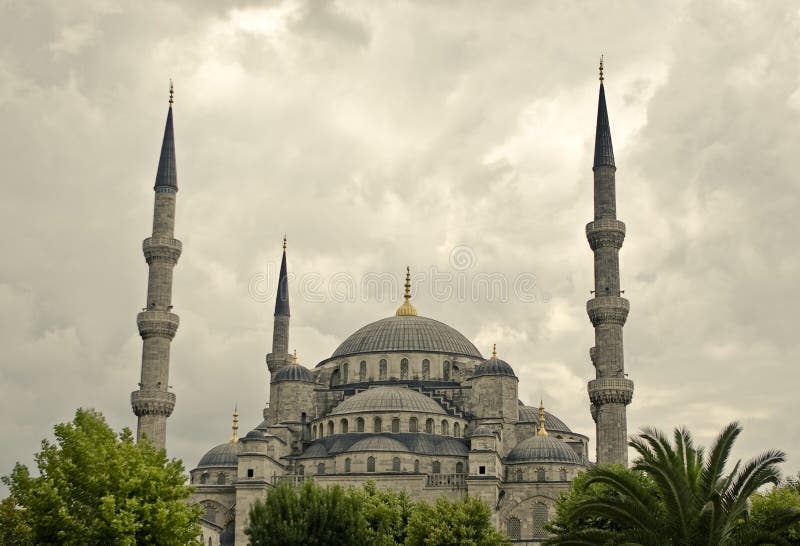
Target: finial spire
(494,351)
(601,68)
(542,431)
(294,358)
(282,297)
(603,149)
(235,435)
(171,92)
(407,309)
(284,241)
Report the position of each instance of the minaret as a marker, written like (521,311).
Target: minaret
(153,402)
(610,392)
(280,357)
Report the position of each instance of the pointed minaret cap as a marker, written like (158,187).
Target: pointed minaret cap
(167,174)
(235,435)
(282,297)
(406,309)
(542,431)
(603,149)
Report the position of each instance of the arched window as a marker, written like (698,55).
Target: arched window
(396,464)
(416,466)
(362,371)
(446,371)
(221,478)
(436,467)
(314,432)
(412,424)
(321,468)
(209,541)
(321,430)
(426,369)
(370,464)
(301,470)
(513,529)
(360,424)
(330,428)
(429,426)
(376,425)
(562,474)
(204,478)
(345,370)
(459,467)
(540,474)
(445,428)
(395,425)
(382,370)
(343,426)
(456,430)
(520,475)
(335,378)
(347,465)
(539,519)
(404,369)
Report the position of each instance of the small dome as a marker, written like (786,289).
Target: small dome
(378,443)
(255,435)
(528,414)
(388,399)
(223,455)
(482,431)
(293,372)
(543,449)
(494,366)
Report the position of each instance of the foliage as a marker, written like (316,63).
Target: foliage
(675,495)
(466,522)
(768,507)
(14,530)
(311,515)
(386,512)
(97,487)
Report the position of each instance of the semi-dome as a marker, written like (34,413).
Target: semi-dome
(378,443)
(223,455)
(293,372)
(529,414)
(543,449)
(388,399)
(407,333)
(494,366)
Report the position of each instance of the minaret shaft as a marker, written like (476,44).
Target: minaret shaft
(610,392)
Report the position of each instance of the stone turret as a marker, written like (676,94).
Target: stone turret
(153,403)
(495,390)
(280,357)
(610,392)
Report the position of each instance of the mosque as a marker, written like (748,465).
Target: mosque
(406,401)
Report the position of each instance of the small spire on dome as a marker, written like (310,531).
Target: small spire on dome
(284,241)
(494,351)
(171,92)
(542,431)
(406,309)
(235,435)
(294,358)
(601,68)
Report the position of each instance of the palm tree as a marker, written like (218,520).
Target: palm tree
(675,495)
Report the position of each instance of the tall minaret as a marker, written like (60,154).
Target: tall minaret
(153,402)
(280,357)
(610,392)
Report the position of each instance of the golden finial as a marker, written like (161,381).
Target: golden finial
(542,431)
(407,310)
(601,68)
(294,357)
(171,92)
(284,241)
(235,436)
(494,351)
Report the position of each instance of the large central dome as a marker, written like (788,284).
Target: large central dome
(410,333)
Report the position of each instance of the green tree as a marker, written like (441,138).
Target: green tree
(386,511)
(770,506)
(312,515)
(466,522)
(14,530)
(97,487)
(677,495)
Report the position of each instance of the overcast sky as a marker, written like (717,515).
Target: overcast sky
(454,137)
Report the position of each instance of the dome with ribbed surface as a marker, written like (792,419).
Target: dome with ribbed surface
(223,455)
(293,372)
(528,414)
(378,443)
(388,399)
(494,366)
(407,334)
(543,449)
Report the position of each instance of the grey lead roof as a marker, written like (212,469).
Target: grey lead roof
(223,455)
(603,150)
(528,414)
(419,443)
(407,333)
(167,174)
(543,449)
(388,399)
(293,372)
(282,298)
(494,366)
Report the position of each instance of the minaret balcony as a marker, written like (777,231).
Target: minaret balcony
(154,323)
(610,390)
(605,232)
(152,402)
(162,249)
(608,310)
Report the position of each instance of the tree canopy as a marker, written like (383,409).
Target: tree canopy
(676,494)
(466,522)
(96,487)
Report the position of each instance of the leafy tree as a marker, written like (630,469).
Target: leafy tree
(97,487)
(466,522)
(308,516)
(14,530)
(769,507)
(685,497)
(386,512)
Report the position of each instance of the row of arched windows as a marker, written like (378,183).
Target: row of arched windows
(436,466)
(540,517)
(342,375)
(540,475)
(222,478)
(318,431)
